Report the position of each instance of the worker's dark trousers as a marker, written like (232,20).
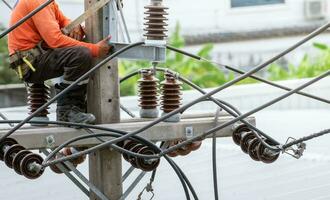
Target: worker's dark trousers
(72,63)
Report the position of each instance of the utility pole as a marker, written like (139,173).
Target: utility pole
(105,166)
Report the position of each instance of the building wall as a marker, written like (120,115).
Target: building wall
(207,16)
(202,16)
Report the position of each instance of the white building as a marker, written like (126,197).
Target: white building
(262,27)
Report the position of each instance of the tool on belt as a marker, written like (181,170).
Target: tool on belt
(22,61)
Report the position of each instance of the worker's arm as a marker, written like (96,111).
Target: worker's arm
(62,19)
(77,33)
(50,30)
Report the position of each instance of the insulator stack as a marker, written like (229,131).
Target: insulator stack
(148,95)
(140,163)
(24,162)
(252,145)
(185,150)
(155,21)
(171,96)
(67,152)
(38,95)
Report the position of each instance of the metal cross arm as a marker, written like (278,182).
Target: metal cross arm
(143,52)
(189,126)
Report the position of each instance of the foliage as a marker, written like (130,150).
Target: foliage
(308,67)
(7,75)
(202,73)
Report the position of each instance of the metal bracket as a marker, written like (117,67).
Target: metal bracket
(144,52)
(295,151)
(50,141)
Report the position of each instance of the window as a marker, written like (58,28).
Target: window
(244,3)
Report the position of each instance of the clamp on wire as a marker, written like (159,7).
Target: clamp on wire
(296,150)
(148,188)
(176,75)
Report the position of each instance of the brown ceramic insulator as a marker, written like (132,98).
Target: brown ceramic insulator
(183,151)
(55,169)
(194,145)
(148,91)
(17,160)
(77,161)
(171,93)
(38,95)
(132,159)
(246,140)
(266,155)
(4,145)
(10,154)
(128,145)
(253,149)
(155,22)
(238,131)
(147,165)
(28,161)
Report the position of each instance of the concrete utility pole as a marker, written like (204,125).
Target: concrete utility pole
(105,166)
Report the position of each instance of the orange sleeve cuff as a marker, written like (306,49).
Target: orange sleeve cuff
(95,50)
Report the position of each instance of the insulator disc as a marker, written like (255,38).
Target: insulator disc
(31,159)
(253,149)
(265,154)
(171,93)
(155,22)
(132,159)
(10,154)
(146,165)
(38,95)
(17,160)
(245,142)
(7,142)
(128,145)
(237,133)
(148,91)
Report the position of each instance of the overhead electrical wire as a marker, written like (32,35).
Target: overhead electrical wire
(122,135)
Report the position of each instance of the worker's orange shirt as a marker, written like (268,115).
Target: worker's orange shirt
(45,25)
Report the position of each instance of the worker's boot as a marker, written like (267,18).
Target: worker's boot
(71,107)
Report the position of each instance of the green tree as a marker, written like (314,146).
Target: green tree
(7,75)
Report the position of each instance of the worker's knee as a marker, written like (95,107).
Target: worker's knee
(83,56)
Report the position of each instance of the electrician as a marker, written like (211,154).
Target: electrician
(40,51)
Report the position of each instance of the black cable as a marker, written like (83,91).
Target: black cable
(214,158)
(226,85)
(210,131)
(21,21)
(11,131)
(219,102)
(177,170)
(214,167)
(252,76)
(304,139)
(7,4)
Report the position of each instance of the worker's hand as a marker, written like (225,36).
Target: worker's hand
(77,33)
(104,46)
